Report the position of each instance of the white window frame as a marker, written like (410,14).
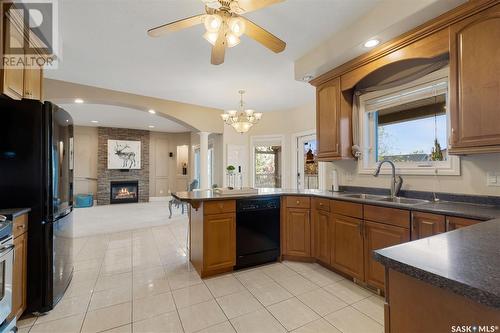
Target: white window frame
(434,83)
(259,140)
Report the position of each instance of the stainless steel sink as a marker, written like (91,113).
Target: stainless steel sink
(403,201)
(364,196)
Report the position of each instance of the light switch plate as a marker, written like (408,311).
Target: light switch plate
(493,178)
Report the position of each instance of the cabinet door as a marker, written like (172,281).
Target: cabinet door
(219,241)
(425,225)
(328,119)
(347,245)
(13,79)
(298,232)
(453,223)
(19,275)
(378,236)
(33,78)
(475,80)
(321,222)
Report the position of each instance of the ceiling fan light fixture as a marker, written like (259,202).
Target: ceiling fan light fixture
(214,4)
(213,23)
(232,40)
(211,37)
(237,26)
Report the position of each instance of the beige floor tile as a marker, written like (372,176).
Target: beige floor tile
(108,318)
(270,293)
(322,302)
(23,329)
(321,276)
(120,329)
(26,321)
(317,326)
(105,298)
(151,288)
(167,322)
(183,280)
(64,325)
(300,266)
(85,275)
(297,284)
(153,305)
(350,320)
(200,316)
(117,267)
(235,305)
(373,307)
(257,322)
(84,288)
(253,278)
(224,327)
(278,271)
(148,275)
(348,291)
(225,285)
(83,265)
(292,313)
(123,280)
(191,295)
(66,307)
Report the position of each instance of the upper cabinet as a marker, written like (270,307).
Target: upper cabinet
(333,122)
(475,83)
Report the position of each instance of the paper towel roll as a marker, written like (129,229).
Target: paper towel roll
(335,180)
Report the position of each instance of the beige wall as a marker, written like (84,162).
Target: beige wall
(215,140)
(85,166)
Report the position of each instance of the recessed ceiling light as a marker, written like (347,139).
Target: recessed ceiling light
(152,111)
(371,43)
(151,126)
(78,101)
(94,121)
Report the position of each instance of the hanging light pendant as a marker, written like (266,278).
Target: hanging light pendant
(241,120)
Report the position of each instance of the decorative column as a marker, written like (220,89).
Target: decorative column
(203,160)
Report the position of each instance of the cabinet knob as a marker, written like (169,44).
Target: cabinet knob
(321,204)
(298,202)
(20,226)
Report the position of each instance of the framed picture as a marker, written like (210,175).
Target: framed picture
(71,154)
(124,154)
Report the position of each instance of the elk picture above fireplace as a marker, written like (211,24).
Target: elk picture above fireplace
(124,154)
(124,192)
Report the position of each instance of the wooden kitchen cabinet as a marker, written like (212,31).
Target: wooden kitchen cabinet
(426,224)
(220,241)
(33,81)
(347,245)
(378,236)
(298,232)
(475,83)
(453,223)
(321,244)
(328,119)
(20,268)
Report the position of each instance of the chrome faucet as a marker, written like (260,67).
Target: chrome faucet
(396,182)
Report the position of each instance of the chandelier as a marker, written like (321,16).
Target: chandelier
(241,120)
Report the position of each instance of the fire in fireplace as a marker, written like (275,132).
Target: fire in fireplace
(124,192)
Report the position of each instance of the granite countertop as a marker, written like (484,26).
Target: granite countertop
(466,210)
(12,213)
(465,261)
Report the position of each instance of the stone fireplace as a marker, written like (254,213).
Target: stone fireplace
(124,192)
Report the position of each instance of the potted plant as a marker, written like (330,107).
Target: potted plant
(230,168)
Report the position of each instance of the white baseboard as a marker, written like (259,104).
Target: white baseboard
(155,199)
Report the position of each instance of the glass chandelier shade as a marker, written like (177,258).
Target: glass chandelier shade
(241,120)
(232,28)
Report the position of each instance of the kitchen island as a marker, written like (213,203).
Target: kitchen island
(444,283)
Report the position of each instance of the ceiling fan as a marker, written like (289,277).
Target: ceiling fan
(224,26)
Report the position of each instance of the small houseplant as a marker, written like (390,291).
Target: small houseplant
(230,168)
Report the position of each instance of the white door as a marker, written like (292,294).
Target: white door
(307,163)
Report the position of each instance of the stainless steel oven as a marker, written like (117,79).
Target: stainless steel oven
(6,264)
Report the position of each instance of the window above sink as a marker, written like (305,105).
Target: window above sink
(408,125)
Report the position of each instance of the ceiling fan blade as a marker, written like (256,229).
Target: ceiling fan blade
(263,36)
(219,50)
(251,5)
(176,26)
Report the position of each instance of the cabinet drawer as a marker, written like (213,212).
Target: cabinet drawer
(298,202)
(219,207)
(20,225)
(392,216)
(453,223)
(347,208)
(321,204)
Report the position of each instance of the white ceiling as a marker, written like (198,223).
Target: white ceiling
(105,45)
(120,117)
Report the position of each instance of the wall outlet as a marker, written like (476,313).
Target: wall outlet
(493,178)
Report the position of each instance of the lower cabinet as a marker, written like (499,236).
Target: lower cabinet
(426,224)
(20,267)
(298,232)
(322,225)
(220,241)
(453,223)
(378,236)
(347,245)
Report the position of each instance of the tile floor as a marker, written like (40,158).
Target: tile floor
(141,281)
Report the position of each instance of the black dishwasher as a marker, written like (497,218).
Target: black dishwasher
(257,231)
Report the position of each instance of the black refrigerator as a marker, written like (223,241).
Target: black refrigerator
(36,157)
